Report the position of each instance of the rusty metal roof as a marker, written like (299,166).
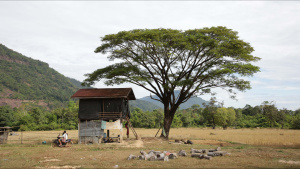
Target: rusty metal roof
(105,93)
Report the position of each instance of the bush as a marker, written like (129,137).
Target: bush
(296,122)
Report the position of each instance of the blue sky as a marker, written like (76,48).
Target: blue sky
(65,34)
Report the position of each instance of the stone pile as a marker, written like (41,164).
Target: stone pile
(165,155)
(157,155)
(182,141)
(208,154)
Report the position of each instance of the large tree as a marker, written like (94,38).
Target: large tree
(164,60)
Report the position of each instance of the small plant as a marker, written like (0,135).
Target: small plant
(231,142)
(240,147)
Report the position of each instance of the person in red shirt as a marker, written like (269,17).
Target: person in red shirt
(126,125)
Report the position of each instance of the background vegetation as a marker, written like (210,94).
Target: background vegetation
(24,78)
(29,117)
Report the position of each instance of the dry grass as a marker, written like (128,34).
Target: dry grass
(260,148)
(268,137)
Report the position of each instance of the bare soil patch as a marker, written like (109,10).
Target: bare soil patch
(66,166)
(211,142)
(50,160)
(17,102)
(289,162)
(135,143)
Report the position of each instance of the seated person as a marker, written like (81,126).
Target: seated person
(63,139)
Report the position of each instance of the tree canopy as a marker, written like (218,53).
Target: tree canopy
(164,60)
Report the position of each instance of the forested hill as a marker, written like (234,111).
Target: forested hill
(186,105)
(26,79)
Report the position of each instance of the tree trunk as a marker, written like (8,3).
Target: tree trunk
(170,108)
(213,123)
(168,118)
(167,125)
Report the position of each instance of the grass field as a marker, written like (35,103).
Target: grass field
(249,148)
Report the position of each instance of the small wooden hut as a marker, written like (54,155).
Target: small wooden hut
(100,109)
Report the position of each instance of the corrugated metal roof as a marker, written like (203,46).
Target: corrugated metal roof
(105,93)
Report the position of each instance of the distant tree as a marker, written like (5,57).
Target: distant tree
(195,106)
(270,111)
(238,113)
(225,117)
(164,60)
(6,116)
(38,115)
(136,117)
(210,111)
(297,112)
(252,111)
(296,122)
(281,117)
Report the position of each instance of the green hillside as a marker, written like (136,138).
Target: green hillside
(28,79)
(186,105)
(77,84)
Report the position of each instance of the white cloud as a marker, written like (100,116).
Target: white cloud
(65,35)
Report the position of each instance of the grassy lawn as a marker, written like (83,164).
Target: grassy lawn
(249,148)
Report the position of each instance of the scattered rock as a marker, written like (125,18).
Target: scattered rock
(165,158)
(131,157)
(207,157)
(141,157)
(166,155)
(199,155)
(172,156)
(189,142)
(198,151)
(182,153)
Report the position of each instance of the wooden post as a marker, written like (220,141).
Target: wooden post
(21,137)
(79,138)
(103,106)
(158,130)
(121,131)
(86,130)
(92,131)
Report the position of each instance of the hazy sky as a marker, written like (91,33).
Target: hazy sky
(65,35)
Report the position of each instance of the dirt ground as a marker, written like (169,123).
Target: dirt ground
(114,155)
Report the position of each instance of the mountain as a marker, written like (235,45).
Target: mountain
(188,104)
(142,104)
(27,80)
(77,84)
